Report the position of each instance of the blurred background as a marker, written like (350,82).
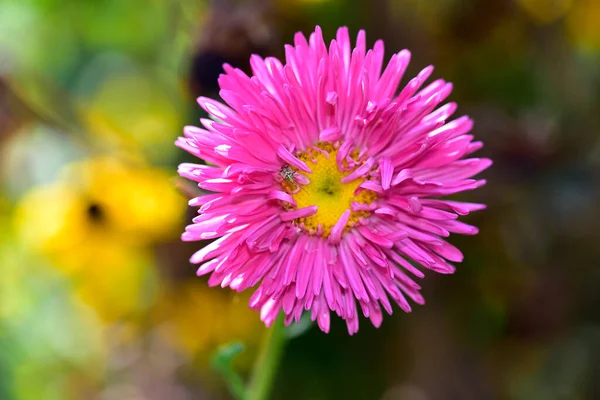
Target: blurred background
(97,298)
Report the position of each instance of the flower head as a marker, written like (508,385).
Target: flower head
(92,224)
(327,181)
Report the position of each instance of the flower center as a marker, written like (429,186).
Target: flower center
(327,191)
(95,213)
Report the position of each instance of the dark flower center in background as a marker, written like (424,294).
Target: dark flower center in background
(205,70)
(96,213)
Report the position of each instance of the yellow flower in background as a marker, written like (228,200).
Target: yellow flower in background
(99,200)
(583,24)
(95,224)
(198,319)
(137,203)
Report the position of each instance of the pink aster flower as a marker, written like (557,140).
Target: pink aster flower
(328,182)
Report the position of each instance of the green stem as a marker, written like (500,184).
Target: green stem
(269,357)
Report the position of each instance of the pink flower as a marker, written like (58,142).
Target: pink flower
(327,184)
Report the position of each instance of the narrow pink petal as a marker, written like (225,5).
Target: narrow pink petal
(208,267)
(283,196)
(209,251)
(336,232)
(305,270)
(386,170)
(359,172)
(331,98)
(330,134)
(288,157)
(371,185)
(299,213)
(375,238)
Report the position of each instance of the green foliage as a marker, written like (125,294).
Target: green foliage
(222,361)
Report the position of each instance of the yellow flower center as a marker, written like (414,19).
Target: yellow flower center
(327,191)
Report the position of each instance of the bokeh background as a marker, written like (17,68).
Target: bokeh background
(97,299)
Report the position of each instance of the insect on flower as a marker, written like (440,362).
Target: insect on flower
(287,174)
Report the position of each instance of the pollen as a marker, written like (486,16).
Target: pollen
(327,191)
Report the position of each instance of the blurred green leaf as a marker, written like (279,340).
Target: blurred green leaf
(300,328)
(222,362)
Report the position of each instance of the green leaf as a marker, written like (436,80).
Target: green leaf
(299,328)
(222,363)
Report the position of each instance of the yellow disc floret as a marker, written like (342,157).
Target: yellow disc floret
(327,191)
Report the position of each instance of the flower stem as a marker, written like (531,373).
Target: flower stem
(269,357)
